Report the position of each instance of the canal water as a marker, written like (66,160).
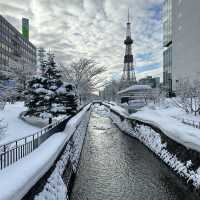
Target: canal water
(114,166)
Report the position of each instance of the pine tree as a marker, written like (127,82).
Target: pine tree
(37,96)
(66,99)
(47,95)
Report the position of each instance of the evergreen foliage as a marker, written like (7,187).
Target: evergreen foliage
(47,95)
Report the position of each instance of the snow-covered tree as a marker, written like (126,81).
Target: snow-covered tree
(41,90)
(188,96)
(20,73)
(66,101)
(8,89)
(47,95)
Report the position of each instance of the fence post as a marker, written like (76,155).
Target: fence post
(33,142)
(16,151)
(4,149)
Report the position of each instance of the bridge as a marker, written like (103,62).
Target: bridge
(95,160)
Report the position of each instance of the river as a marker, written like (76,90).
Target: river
(114,166)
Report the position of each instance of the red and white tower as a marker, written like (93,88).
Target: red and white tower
(128,76)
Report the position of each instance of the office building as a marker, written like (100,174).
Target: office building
(15,48)
(181,41)
(167,43)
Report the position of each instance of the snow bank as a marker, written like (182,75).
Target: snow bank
(167,117)
(16,128)
(135,88)
(18,178)
(174,129)
(55,188)
(117,108)
(35,121)
(72,124)
(153,141)
(78,140)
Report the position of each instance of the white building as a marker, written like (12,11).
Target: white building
(135,92)
(181,57)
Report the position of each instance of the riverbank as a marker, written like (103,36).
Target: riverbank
(117,166)
(182,161)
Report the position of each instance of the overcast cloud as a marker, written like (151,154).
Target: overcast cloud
(93,29)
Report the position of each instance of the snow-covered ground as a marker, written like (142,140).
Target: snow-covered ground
(16,128)
(167,117)
(114,106)
(18,178)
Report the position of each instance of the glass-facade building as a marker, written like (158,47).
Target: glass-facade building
(167,44)
(13,47)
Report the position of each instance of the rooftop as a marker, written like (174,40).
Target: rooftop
(135,88)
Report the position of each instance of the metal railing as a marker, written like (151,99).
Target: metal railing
(192,123)
(17,149)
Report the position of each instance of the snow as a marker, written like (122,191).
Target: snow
(117,108)
(71,125)
(168,118)
(37,85)
(61,90)
(45,91)
(55,187)
(135,88)
(46,115)
(58,108)
(16,128)
(153,141)
(163,117)
(19,177)
(78,140)
(53,87)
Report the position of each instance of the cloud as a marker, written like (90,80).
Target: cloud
(94,29)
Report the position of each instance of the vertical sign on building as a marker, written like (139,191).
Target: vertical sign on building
(25,28)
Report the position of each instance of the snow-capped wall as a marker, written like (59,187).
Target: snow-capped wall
(57,186)
(158,143)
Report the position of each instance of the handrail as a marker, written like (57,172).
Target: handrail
(19,148)
(42,129)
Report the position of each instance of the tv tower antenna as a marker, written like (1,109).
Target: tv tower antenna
(128,76)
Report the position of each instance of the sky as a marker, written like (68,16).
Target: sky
(95,29)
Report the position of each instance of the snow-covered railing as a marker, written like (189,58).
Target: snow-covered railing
(17,149)
(13,151)
(192,123)
(195,124)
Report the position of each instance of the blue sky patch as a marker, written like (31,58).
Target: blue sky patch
(147,67)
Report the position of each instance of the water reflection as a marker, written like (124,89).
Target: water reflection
(117,167)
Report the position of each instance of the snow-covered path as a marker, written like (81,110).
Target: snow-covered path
(16,128)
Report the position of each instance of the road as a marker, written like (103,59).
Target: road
(115,166)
